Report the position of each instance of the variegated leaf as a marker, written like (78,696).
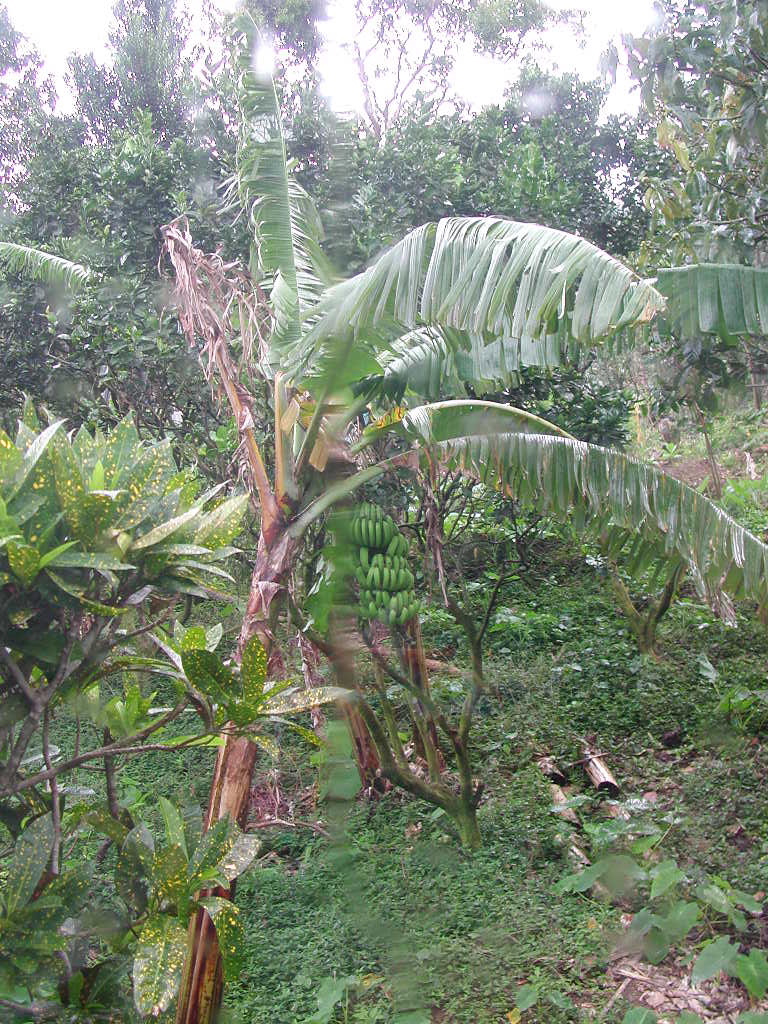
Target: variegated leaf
(157,965)
(230,933)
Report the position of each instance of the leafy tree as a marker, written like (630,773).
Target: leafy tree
(149,73)
(26,98)
(543,155)
(404,49)
(109,351)
(701,75)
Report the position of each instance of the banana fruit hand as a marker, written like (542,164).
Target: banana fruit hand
(386,582)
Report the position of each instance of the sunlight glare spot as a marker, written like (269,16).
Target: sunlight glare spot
(263,60)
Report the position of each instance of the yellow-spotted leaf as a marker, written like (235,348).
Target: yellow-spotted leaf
(30,856)
(169,875)
(253,671)
(303,700)
(266,743)
(193,640)
(118,450)
(10,459)
(212,849)
(159,533)
(230,933)
(24,561)
(157,966)
(240,857)
(223,524)
(207,674)
(31,457)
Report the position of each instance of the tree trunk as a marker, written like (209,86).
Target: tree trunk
(717,480)
(202,979)
(415,665)
(755,383)
(464,815)
(366,757)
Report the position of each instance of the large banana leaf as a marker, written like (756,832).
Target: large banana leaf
(587,484)
(463,418)
(41,266)
(432,362)
(542,292)
(286,224)
(427,425)
(711,298)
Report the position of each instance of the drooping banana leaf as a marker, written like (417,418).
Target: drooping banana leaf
(542,293)
(42,266)
(570,479)
(715,298)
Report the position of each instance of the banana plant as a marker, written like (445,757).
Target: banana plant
(465,300)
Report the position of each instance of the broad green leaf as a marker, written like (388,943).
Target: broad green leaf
(557,474)
(39,265)
(665,875)
(207,674)
(157,965)
(714,897)
(169,875)
(526,997)
(752,972)
(230,933)
(30,857)
(678,922)
(545,290)
(743,899)
(24,561)
(639,1015)
(174,825)
(240,857)
(718,955)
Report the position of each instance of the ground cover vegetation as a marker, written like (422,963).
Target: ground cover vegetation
(383,520)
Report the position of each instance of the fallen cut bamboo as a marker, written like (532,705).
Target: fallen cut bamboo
(598,772)
(559,799)
(549,768)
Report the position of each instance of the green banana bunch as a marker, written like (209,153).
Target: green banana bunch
(386,582)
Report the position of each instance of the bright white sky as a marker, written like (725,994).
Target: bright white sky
(59,27)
